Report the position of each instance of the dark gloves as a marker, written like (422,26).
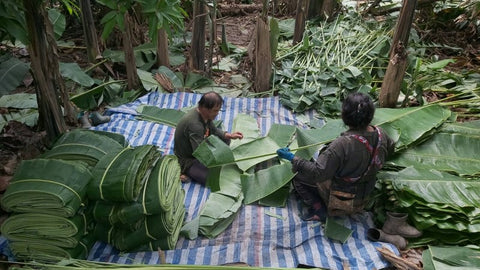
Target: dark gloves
(285,153)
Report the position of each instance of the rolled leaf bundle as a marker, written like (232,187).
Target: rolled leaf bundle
(119,177)
(85,145)
(163,229)
(157,195)
(40,252)
(45,229)
(47,186)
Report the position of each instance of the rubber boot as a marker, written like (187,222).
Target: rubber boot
(376,235)
(396,223)
(83,119)
(98,119)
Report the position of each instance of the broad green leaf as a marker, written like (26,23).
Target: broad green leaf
(73,72)
(58,22)
(449,152)
(19,101)
(337,231)
(248,126)
(471,127)
(148,82)
(27,116)
(176,81)
(169,117)
(281,134)
(431,186)
(278,198)
(310,140)
(265,182)
(397,123)
(213,152)
(12,73)
(455,257)
(249,154)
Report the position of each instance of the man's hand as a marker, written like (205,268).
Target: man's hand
(285,153)
(234,135)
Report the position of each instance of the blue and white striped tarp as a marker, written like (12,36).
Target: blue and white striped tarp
(259,236)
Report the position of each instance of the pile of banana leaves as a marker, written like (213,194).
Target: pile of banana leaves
(46,199)
(433,176)
(439,186)
(85,145)
(151,221)
(135,199)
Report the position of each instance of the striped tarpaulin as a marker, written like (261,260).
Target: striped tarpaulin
(259,236)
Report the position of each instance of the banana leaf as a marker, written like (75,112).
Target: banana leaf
(47,186)
(452,257)
(310,140)
(438,203)
(165,116)
(40,252)
(248,126)
(265,182)
(471,127)
(336,231)
(119,177)
(409,126)
(213,152)
(450,152)
(278,198)
(85,145)
(220,209)
(281,134)
(45,229)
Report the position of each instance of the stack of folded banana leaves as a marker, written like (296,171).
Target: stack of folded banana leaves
(137,207)
(85,145)
(47,203)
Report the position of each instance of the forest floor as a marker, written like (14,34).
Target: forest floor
(19,142)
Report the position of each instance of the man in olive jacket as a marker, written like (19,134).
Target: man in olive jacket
(192,129)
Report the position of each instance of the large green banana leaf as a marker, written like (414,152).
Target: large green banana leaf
(451,152)
(281,134)
(118,177)
(471,127)
(47,186)
(451,258)
(213,152)
(165,116)
(310,140)
(249,128)
(265,182)
(410,125)
(221,207)
(46,229)
(85,145)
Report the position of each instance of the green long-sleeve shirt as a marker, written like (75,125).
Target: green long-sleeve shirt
(191,130)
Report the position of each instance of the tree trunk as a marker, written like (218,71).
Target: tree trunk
(89,31)
(44,67)
(133,81)
(300,18)
(328,8)
(197,50)
(162,49)
(398,57)
(263,56)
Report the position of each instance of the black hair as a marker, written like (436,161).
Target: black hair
(357,110)
(210,100)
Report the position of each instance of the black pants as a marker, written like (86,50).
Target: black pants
(309,192)
(198,172)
